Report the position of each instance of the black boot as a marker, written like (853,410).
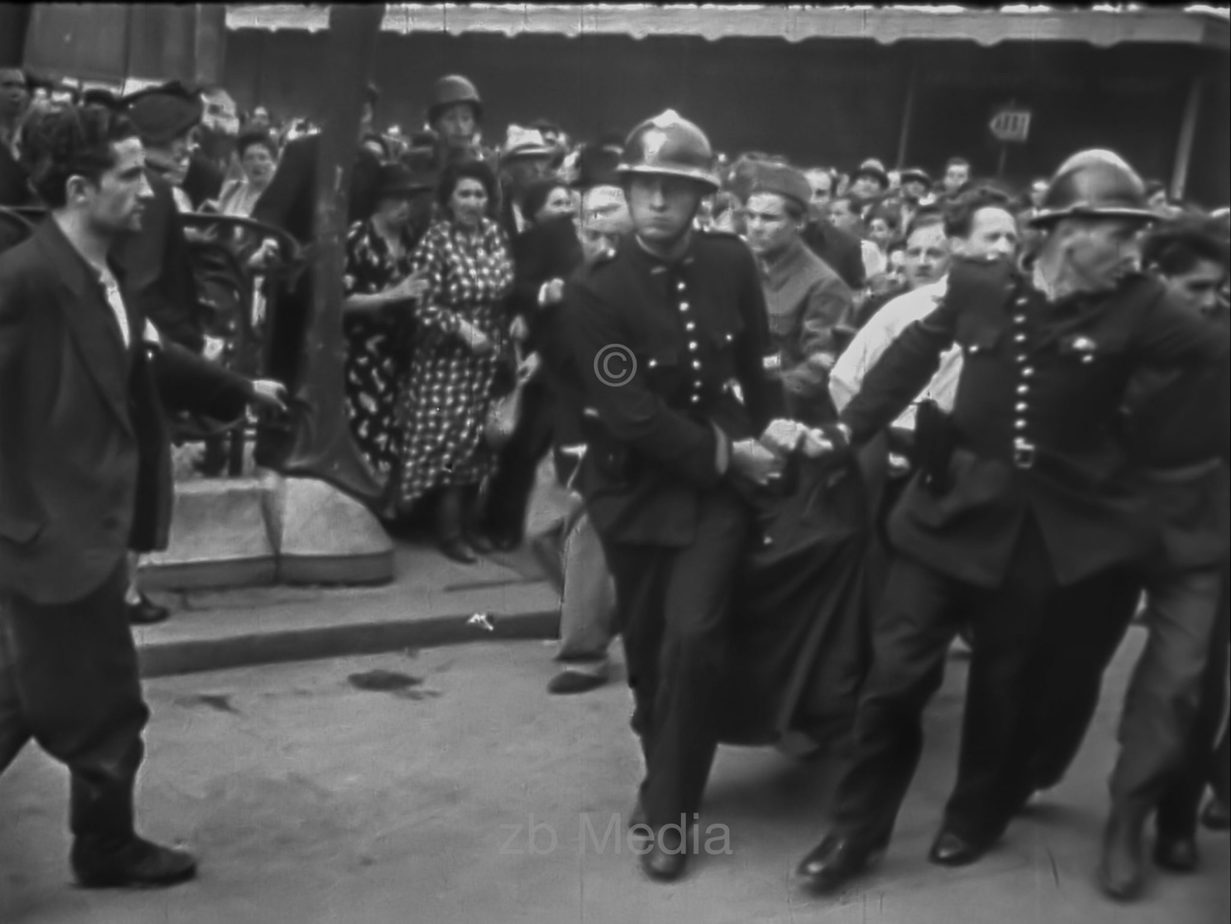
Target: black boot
(667,855)
(1121,872)
(1216,817)
(1176,853)
(449,512)
(129,863)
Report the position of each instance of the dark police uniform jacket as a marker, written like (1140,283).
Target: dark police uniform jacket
(667,355)
(1035,420)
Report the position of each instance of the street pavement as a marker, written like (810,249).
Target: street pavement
(444,786)
(431,601)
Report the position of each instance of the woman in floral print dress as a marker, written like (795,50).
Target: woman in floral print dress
(377,318)
(462,334)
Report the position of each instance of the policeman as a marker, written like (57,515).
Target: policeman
(1178,437)
(1035,511)
(668,335)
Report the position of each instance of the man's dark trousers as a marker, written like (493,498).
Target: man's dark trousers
(1163,699)
(917,618)
(1070,631)
(69,679)
(1205,759)
(514,479)
(674,612)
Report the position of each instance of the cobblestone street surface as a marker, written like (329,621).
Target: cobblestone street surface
(444,786)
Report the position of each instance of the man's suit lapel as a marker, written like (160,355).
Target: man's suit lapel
(89,320)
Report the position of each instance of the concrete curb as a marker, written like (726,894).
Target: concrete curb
(160,659)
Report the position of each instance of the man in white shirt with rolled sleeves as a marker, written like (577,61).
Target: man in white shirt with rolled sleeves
(979,226)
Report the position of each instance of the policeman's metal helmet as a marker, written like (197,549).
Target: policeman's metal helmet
(451,90)
(1095,183)
(669,145)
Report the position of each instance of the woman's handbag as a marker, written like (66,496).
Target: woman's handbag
(504,412)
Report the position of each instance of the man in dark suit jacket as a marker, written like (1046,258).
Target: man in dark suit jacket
(1028,510)
(85,476)
(547,251)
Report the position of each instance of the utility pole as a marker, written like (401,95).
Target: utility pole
(322,446)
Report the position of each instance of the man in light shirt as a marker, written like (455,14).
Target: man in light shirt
(980,226)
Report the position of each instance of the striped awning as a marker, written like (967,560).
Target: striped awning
(1102,26)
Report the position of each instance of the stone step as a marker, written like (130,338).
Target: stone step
(266,529)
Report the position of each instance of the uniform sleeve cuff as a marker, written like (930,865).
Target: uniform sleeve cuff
(722,450)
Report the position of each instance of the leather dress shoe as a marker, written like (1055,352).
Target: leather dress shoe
(574,682)
(667,856)
(833,862)
(145,612)
(132,863)
(1176,854)
(951,849)
(479,543)
(458,550)
(1121,872)
(1216,816)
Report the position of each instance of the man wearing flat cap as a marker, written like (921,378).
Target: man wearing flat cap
(806,300)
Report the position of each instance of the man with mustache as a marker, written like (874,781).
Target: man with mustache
(1034,511)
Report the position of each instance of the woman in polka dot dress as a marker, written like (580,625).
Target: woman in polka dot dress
(462,333)
(380,292)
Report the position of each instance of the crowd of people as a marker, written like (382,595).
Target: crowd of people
(764,421)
